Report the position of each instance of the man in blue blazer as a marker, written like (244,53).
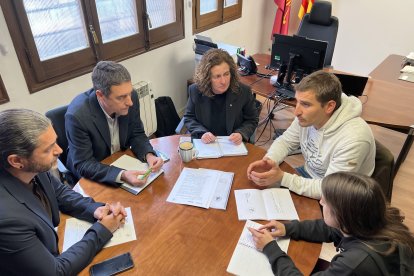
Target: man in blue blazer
(31,199)
(104,120)
(218,104)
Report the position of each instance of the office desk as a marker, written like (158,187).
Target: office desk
(389,70)
(175,239)
(388,104)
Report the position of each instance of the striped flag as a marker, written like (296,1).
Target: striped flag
(305,7)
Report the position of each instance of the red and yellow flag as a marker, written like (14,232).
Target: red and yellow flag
(281,24)
(305,7)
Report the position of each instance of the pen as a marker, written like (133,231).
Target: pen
(145,174)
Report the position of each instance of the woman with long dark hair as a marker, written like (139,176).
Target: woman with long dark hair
(368,233)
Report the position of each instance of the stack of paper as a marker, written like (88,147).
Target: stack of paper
(246,260)
(202,188)
(129,163)
(265,204)
(221,147)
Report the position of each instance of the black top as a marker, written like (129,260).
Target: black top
(218,108)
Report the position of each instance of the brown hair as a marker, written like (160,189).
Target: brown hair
(361,210)
(326,87)
(202,75)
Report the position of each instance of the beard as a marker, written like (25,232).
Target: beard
(35,167)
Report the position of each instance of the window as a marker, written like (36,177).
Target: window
(208,14)
(57,40)
(4,98)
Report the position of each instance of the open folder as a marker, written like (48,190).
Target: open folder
(221,147)
(130,163)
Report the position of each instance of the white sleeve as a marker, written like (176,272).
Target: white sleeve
(302,186)
(286,143)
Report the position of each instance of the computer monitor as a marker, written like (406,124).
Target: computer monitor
(247,65)
(301,55)
(203,46)
(352,85)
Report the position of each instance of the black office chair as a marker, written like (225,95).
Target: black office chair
(319,24)
(57,116)
(384,169)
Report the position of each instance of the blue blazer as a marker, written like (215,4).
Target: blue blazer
(89,139)
(28,240)
(241,112)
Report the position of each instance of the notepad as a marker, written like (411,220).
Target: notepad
(221,147)
(127,162)
(275,203)
(246,259)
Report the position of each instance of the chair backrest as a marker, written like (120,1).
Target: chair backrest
(384,169)
(57,116)
(319,24)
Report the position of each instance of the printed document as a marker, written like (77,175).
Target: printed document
(75,230)
(246,259)
(221,147)
(127,162)
(202,188)
(275,203)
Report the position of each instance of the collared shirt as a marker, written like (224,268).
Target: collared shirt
(114,135)
(40,194)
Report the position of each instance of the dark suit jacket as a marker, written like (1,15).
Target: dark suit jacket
(28,241)
(89,139)
(241,112)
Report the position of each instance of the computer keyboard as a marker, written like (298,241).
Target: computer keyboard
(285,93)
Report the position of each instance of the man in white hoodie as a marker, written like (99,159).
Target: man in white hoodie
(329,130)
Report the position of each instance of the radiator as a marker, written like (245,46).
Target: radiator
(146,106)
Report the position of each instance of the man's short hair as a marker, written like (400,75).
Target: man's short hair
(20,130)
(108,73)
(211,58)
(326,87)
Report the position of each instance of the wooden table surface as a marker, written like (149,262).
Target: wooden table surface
(175,239)
(389,70)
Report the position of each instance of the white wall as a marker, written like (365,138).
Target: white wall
(369,31)
(167,68)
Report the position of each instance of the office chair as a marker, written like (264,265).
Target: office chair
(57,116)
(319,24)
(384,169)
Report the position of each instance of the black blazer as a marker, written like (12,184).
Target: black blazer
(89,139)
(28,240)
(241,112)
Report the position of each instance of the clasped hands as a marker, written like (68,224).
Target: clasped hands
(112,216)
(132,177)
(209,137)
(264,172)
(267,233)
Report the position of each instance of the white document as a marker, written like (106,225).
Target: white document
(202,188)
(275,203)
(246,259)
(221,147)
(76,229)
(127,162)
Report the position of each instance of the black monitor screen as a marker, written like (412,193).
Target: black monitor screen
(352,85)
(308,54)
(203,46)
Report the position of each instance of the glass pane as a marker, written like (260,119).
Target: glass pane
(58,27)
(117,19)
(161,12)
(228,3)
(207,6)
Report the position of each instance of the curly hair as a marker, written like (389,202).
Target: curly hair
(361,210)
(202,75)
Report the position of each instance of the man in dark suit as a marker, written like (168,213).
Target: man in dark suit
(104,120)
(31,199)
(218,104)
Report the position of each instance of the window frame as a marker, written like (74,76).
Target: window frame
(216,18)
(42,74)
(4,97)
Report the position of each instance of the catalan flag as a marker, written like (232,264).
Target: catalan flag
(305,7)
(281,24)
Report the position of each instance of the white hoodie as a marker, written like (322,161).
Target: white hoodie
(344,143)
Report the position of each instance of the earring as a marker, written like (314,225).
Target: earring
(21,167)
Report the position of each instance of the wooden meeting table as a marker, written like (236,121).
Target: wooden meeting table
(174,239)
